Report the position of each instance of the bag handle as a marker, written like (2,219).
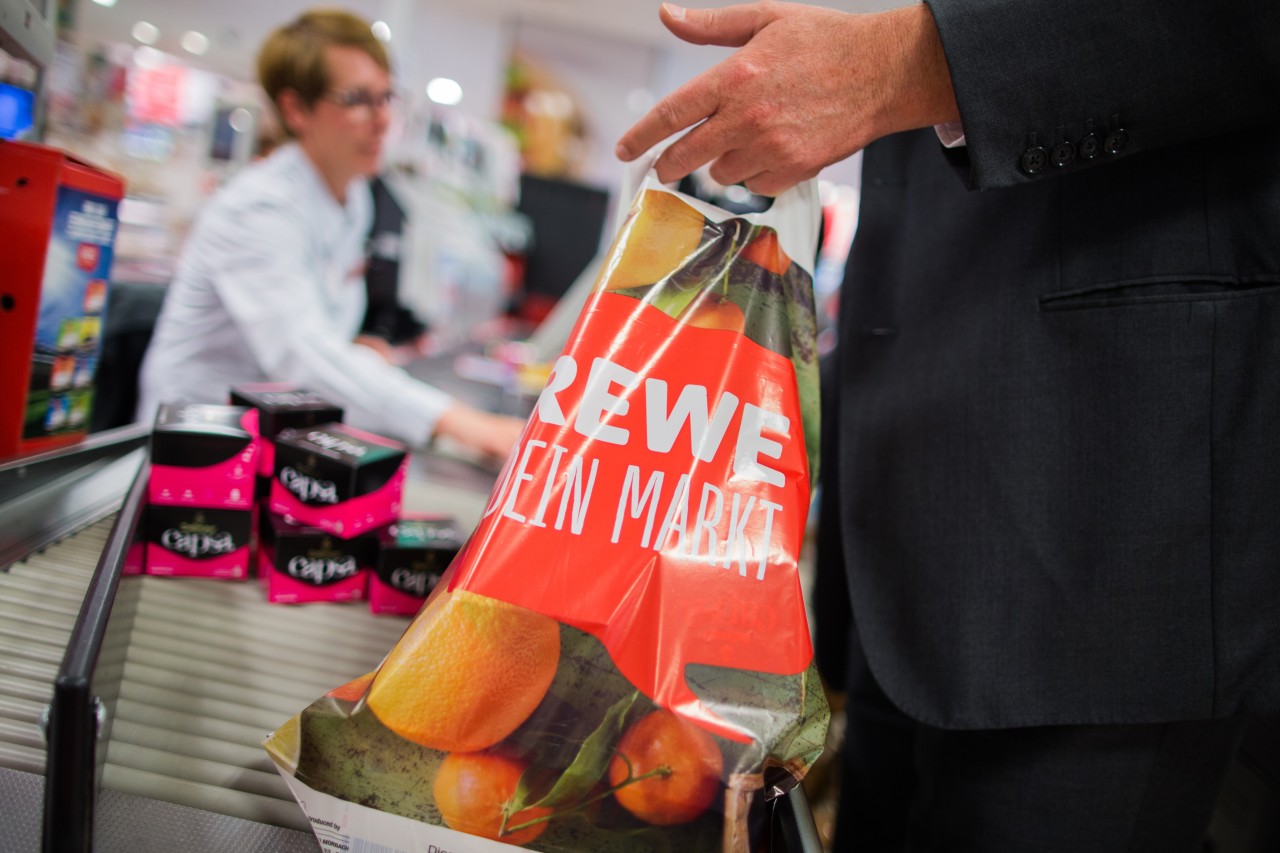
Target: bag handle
(794,214)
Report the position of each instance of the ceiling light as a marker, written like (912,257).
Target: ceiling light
(107,3)
(442,90)
(194,42)
(145,32)
(381,31)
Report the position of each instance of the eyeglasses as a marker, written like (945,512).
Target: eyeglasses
(351,99)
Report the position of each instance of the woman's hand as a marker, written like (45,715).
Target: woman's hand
(484,432)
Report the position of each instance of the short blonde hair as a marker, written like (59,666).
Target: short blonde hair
(292,57)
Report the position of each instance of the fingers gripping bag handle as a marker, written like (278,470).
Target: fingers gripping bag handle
(618,659)
(794,215)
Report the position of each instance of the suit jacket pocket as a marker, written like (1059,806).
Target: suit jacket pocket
(1160,289)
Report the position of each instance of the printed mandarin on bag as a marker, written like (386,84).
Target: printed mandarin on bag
(618,659)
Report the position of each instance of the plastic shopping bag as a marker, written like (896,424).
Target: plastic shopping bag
(618,659)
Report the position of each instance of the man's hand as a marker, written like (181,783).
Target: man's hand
(809,87)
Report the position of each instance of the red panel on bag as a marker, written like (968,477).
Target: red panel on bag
(669,559)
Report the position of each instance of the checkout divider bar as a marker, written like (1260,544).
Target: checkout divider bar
(77,717)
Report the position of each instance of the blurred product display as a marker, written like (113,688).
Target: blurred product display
(59,216)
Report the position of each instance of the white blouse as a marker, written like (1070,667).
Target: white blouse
(270,287)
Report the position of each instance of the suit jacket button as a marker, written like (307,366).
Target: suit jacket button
(1063,153)
(1090,145)
(1033,160)
(1116,141)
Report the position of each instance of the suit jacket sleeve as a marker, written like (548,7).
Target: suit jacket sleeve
(1124,75)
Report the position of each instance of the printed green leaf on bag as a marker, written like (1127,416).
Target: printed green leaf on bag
(577,781)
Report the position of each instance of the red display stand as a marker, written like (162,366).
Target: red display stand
(59,220)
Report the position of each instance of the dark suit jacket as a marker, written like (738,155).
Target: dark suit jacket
(1058,458)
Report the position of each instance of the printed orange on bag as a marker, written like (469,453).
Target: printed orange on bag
(466,673)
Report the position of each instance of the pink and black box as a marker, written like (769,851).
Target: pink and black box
(413,554)
(203,456)
(281,406)
(340,479)
(299,563)
(186,541)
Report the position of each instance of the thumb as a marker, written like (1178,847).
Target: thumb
(729,26)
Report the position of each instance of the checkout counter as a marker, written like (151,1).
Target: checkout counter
(132,709)
(182,677)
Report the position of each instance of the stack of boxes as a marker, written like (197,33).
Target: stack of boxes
(333,487)
(277,471)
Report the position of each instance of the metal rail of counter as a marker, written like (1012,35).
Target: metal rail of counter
(47,496)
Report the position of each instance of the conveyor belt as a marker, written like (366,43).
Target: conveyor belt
(39,600)
(192,674)
(209,669)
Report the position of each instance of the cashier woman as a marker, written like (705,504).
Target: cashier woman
(270,285)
